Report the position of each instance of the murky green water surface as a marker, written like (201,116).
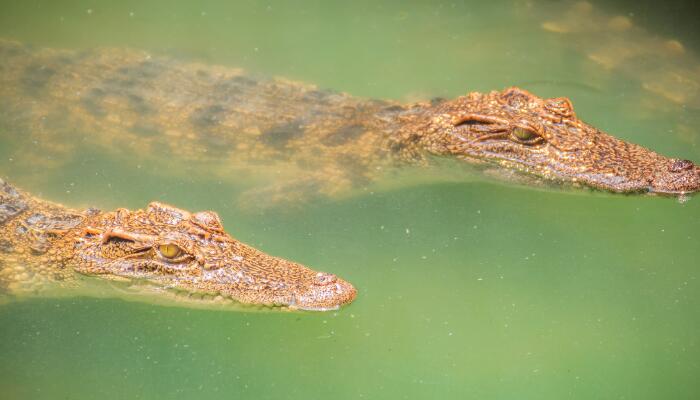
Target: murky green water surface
(468,290)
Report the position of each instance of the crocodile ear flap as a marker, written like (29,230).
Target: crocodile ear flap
(561,106)
(166,214)
(518,98)
(208,220)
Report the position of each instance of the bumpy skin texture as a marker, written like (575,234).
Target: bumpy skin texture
(162,247)
(219,120)
(543,138)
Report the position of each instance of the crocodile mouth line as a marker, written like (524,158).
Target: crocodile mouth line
(135,288)
(171,293)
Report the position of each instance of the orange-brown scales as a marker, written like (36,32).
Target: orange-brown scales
(543,139)
(162,248)
(219,120)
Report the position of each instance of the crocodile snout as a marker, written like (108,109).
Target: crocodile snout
(679,177)
(327,292)
(677,166)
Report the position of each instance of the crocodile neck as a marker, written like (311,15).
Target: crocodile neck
(34,241)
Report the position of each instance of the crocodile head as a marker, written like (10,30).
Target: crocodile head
(169,249)
(543,138)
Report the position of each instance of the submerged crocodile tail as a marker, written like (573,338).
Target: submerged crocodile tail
(131,102)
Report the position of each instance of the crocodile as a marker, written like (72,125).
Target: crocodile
(162,251)
(310,142)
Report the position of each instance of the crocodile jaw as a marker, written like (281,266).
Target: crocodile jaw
(544,139)
(172,249)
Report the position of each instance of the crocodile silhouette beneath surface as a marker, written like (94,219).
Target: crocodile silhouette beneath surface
(164,251)
(314,142)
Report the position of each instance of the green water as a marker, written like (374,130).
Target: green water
(466,291)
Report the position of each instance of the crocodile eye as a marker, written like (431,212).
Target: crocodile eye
(526,136)
(169,250)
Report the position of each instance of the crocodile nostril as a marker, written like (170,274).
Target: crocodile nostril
(681,165)
(323,279)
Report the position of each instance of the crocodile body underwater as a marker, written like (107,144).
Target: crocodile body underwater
(172,255)
(220,120)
